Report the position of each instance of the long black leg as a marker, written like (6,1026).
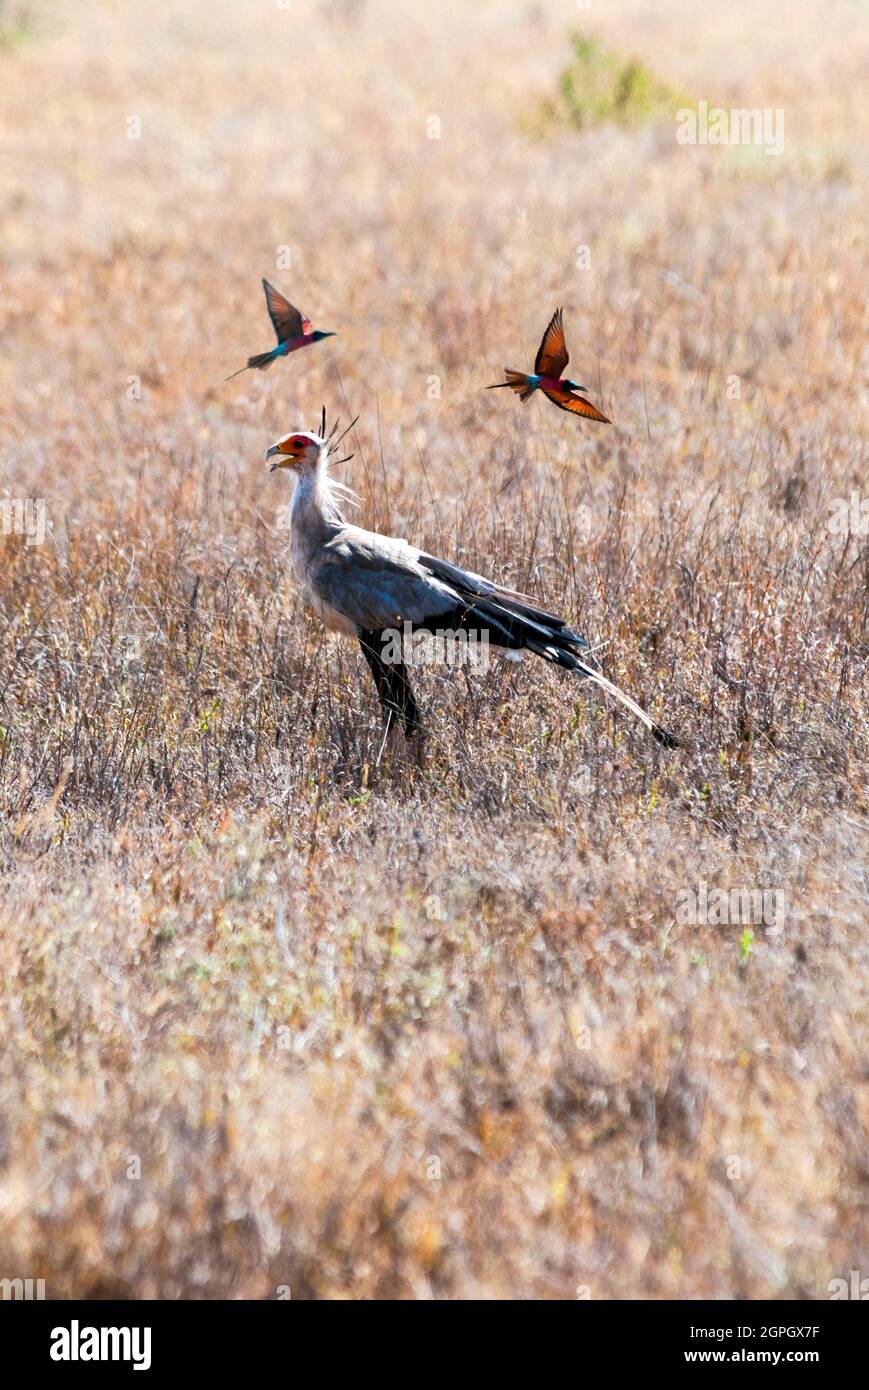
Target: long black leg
(401,693)
(371,650)
(394,690)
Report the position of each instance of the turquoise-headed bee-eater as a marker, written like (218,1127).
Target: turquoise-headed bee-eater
(294,331)
(551,360)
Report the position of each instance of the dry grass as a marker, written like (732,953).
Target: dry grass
(381,1031)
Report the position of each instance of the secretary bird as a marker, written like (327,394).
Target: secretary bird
(367,586)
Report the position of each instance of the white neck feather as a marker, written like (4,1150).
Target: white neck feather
(318,496)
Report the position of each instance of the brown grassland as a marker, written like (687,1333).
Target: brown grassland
(280,1014)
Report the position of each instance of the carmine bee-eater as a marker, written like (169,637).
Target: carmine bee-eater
(293,329)
(551,360)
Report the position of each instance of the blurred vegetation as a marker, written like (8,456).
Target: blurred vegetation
(599,86)
(16,23)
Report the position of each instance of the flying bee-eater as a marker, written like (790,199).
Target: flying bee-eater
(294,331)
(551,360)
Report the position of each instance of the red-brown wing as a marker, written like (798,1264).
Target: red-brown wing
(577,405)
(552,355)
(287,319)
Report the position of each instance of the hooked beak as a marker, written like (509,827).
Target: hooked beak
(284,460)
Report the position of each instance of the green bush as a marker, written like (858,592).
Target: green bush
(599,86)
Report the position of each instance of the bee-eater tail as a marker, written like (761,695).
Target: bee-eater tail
(518,382)
(262,361)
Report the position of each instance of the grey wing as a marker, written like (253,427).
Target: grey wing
(376,582)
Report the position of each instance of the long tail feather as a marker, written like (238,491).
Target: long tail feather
(658,732)
(262,361)
(560,647)
(561,656)
(516,623)
(517,381)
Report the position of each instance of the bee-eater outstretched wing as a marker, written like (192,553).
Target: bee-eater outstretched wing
(565,400)
(552,355)
(289,322)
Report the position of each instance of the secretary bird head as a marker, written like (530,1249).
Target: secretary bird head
(301,451)
(305,451)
